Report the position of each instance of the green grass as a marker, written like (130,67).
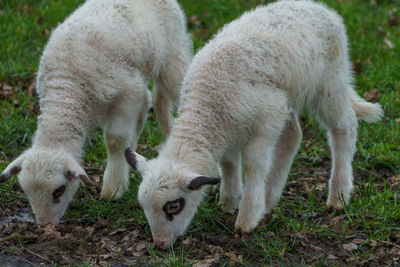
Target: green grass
(373,214)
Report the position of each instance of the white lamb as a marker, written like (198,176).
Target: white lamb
(94,73)
(240,104)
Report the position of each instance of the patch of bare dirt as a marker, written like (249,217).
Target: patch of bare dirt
(74,242)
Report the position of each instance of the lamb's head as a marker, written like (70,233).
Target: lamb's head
(50,179)
(169,194)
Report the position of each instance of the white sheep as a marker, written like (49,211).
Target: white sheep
(240,104)
(94,73)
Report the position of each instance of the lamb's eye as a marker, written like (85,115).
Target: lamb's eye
(58,192)
(174,207)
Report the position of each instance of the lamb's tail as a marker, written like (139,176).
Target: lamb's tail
(368,112)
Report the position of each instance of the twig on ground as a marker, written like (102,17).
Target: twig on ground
(39,256)
(35,265)
(10,237)
(285,193)
(388,243)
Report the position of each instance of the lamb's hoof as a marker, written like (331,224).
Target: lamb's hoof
(334,204)
(231,209)
(112,194)
(330,209)
(244,227)
(229,205)
(241,234)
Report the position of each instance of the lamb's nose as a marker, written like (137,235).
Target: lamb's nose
(43,224)
(163,244)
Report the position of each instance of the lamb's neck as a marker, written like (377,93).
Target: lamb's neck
(196,143)
(64,121)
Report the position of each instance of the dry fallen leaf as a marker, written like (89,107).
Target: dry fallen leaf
(119,230)
(6,91)
(194,19)
(96,178)
(25,8)
(89,231)
(358,241)
(31,88)
(104,242)
(106,256)
(331,257)
(140,246)
(186,242)
(336,220)
(142,147)
(372,95)
(395,251)
(388,43)
(45,31)
(350,246)
(316,248)
(357,66)
(79,232)
(50,232)
(155,150)
(393,21)
(138,253)
(320,186)
(233,256)
(204,263)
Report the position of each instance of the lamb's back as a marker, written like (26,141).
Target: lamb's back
(289,45)
(106,40)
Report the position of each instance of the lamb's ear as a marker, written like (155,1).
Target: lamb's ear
(12,169)
(137,162)
(199,181)
(75,171)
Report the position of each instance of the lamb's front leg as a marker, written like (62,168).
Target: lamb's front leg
(116,179)
(231,183)
(284,153)
(257,157)
(119,133)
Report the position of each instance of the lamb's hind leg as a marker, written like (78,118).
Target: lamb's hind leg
(168,84)
(120,132)
(231,184)
(337,113)
(142,118)
(285,151)
(342,142)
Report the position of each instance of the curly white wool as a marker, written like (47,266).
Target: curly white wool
(240,104)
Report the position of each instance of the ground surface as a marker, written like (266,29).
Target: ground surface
(300,232)
(332,238)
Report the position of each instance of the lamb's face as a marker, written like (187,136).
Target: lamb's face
(168,204)
(169,195)
(47,187)
(49,180)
